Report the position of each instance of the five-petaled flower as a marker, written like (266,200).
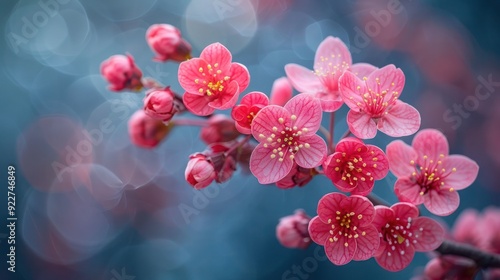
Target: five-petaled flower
(428,174)
(374,104)
(402,232)
(287,135)
(332,59)
(355,166)
(212,81)
(344,227)
(244,113)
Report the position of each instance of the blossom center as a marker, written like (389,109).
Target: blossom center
(429,173)
(328,67)
(399,236)
(345,224)
(376,101)
(285,141)
(353,168)
(212,82)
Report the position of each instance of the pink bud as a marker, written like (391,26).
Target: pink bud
(166,41)
(200,172)
(220,128)
(292,230)
(281,92)
(122,73)
(145,131)
(160,104)
(298,176)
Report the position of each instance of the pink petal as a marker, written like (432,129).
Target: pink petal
(367,244)
(189,71)
(383,214)
(331,60)
(267,118)
(303,79)
(336,176)
(239,73)
(361,125)
(405,210)
(307,111)
(389,79)
(377,162)
(329,204)
(441,202)
(197,104)
(401,120)
(314,155)
(330,102)
(362,188)
(281,92)
(465,174)
(255,98)
(362,70)
(430,142)
(319,231)
(400,154)
(351,89)
(217,53)
(337,251)
(239,112)
(228,98)
(431,235)
(360,205)
(242,129)
(466,227)
(266,169)
(408,191)
(396,261)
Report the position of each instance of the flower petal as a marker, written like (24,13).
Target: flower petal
(465,174)
(367,244)
(383,214)
(281,92)
(441,202)
(255,98)
(400,155)
(431,143)
(376,162)
(330,102)
(307,111)
(362,69)
(430,234)
(389,79)
(242,129)
(197,104)
(404,210)
(351,89)
(189,71)
(217,53)
(329,204)
(268,170)
(319,231)
(303,79)
(336,176)
(331,60)
(314,155)
(240,74)
(361,125)
(395,261)
(228,98)
(361,206)
(408,191)
(401,120)
(467,228)
(267,118)
(338,253)
(363,188)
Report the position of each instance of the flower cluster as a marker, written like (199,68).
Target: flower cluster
(275,136)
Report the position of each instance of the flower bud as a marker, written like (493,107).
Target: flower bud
(166,41)
(281,92)
(122,73)
(145,131)
(200,172)
(220,128)
(298,176)
(161,104)
(292,230)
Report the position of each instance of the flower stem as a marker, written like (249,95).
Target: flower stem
(346,134)
(331,147)
(325,133)
(237,145)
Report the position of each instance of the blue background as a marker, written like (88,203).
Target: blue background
(116,214)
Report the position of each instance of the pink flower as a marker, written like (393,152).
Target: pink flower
(145,131)
(402,232)
(200,172)
(344,227)
(212,81)
(374,104)
(298,176)
(490,228)
(331,61)
(166,41)
(354,166)
(220,128)
(281,92)
(292,230)
(287,136)
(468,229)
(161,104)
(428,174)
(122,73)
(244,113)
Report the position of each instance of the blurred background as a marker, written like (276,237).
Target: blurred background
(96,207)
